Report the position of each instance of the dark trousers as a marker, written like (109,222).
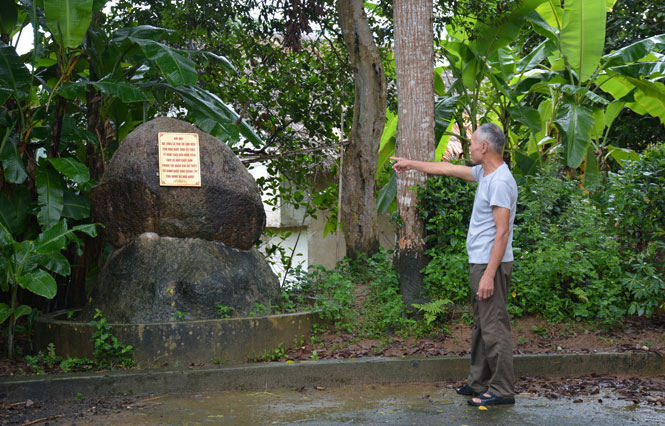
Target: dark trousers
(491,341)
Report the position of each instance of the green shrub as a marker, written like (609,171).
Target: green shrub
(333,293)
(109,352)
(445,205)
(383,311)
(566,265)
(636,203)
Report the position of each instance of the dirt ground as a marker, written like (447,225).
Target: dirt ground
(530,336)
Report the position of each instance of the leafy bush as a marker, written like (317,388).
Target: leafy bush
(636,201)
(383,310)
(333,292)
(330,291)
(572,258)
(109,352)
(445,205)
(565,264)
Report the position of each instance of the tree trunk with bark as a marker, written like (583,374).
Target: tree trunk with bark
(414,62)
(358,192)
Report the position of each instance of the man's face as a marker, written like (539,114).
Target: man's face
(476,149)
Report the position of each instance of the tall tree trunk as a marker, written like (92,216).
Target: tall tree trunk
(359,216)
(414,62)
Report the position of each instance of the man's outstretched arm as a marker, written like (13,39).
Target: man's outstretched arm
(433,168)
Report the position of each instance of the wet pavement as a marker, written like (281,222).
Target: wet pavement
(406,404)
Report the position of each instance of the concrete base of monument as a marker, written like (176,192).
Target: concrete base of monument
(227,341)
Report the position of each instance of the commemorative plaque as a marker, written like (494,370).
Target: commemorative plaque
(179,160)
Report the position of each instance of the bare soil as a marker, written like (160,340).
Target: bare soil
(531,335)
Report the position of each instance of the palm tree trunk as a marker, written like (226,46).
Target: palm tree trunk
(414,61)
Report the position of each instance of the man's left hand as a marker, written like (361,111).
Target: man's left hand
(485,288)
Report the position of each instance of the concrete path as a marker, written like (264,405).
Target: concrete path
(405,404)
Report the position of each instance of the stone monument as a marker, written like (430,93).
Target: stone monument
(180,250)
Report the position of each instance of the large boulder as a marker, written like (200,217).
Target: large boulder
(153,278)
(129,200)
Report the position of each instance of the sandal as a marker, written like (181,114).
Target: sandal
(488,398)
(466,390)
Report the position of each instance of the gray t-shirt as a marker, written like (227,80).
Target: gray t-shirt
(496,189)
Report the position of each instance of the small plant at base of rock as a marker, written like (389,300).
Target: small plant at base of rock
(223,311)
(181,316)
(108,351)
(49,359)
(276,354)
(315,355)
(260,310)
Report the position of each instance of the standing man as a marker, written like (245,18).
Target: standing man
(489,244)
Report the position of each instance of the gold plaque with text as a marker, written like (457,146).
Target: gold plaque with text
(179,161)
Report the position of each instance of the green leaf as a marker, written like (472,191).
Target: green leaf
(21,256)
(53,239)
(75,206)
(439,85)
(212,115)
(22,207)
(71,168)
(5,94)
(575,123)
(122,90)
(541,26)
(641,69)
(387,145)
(520,112)
(503,61)
(68,20)
(552,13)
(535,57)
(8,18)
(6,238)
(7,214)
(591,170)
(178,70)
(146,32)
(622,155)
(635,51)
(12,163)
(14,73)
(387,194)
(612,112)
(49,197)
(39,282)
(5,312)
(616,85)
(527,164)
(583,35)
(21,311)
(598,124)
(649,98)
(505,31)
(54,262)
(444,109)
(89,229)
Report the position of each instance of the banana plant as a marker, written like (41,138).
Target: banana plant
(568,78)
(28,264)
